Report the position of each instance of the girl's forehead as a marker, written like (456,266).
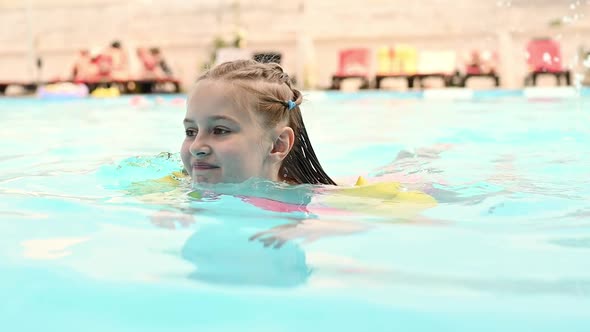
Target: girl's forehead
(211,98)
(211,92)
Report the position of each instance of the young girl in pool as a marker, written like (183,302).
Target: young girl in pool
(243,121)
(244,128)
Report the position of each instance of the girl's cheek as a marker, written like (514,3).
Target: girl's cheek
(185,154)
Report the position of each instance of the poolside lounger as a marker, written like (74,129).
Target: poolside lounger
(408,64)
(481,64)
(398,62)
(543,57)
(440,64)
(352,63)
(27,86)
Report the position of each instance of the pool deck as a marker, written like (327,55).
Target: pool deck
(458,93)
(430,94)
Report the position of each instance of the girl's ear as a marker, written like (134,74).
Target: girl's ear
(283,144)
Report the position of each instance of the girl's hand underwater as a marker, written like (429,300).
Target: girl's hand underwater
(169,219)
(308,230)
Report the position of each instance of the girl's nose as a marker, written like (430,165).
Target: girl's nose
(199,149)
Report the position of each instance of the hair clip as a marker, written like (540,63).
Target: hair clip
(291,104)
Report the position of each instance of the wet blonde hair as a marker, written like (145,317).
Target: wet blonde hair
(268,89)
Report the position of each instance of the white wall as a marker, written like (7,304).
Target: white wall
(184,29)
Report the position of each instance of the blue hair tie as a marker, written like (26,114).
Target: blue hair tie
(291,105)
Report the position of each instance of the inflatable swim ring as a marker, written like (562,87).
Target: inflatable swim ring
(62,90)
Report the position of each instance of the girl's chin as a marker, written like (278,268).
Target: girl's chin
(202,179)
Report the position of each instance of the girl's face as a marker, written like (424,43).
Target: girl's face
(224,143)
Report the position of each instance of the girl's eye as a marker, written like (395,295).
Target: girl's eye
(191,133)
(220,131)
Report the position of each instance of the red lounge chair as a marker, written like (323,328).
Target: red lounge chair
(544,58)
(352,63)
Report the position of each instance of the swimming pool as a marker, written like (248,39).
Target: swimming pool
(505,249)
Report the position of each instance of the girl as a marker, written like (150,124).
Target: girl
(243,121)
(245,134)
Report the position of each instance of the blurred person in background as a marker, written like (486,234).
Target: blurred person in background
(150,67)
(83,67)
(119,64)
(160,61)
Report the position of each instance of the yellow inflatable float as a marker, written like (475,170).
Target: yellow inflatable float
(385,191)
(106,92)
(384,199)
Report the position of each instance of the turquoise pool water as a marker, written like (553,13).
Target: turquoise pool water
(90,243)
